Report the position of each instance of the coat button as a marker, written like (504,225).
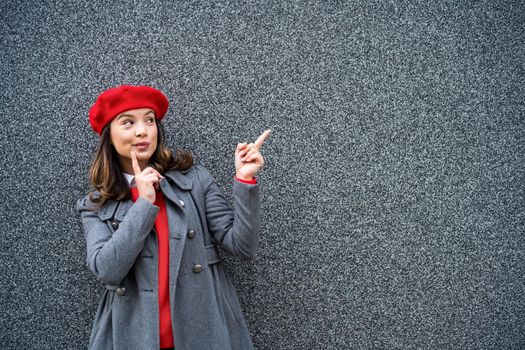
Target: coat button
(121,290)
(114,224)
(191,234)
(181,202)
(197,268)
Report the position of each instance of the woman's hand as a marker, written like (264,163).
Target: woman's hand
(147,180)
(248,159)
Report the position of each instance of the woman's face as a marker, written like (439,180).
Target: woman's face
(134,130)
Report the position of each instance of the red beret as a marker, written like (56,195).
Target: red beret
(116,100)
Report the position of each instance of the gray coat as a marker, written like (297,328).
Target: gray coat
(122,252)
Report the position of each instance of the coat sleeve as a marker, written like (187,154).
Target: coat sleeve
(110,256)
(236,230)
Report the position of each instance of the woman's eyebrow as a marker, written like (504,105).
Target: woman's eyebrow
(125,115)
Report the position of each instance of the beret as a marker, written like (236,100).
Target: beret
(122,98)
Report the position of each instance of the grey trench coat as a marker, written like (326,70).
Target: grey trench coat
(122,252)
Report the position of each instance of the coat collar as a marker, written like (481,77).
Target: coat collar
(107,210)
(180,179)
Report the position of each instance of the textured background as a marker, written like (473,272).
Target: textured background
(393,188)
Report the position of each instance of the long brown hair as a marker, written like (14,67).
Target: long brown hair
(106,175)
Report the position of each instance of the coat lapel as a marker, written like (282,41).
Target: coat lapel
(177,220)
(178,179)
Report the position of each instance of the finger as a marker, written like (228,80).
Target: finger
(252,158)
(241,146)
(259,142)
(248,148)
(152,176)
(150,170)
(245,150)
(135,163)
(246,159)
(152,179)
(251,152)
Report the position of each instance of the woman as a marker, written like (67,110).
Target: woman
(153,226)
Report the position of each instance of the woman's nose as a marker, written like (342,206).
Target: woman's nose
(140,129)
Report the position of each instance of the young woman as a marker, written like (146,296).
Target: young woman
(153,225)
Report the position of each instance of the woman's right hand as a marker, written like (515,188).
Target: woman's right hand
(147,180)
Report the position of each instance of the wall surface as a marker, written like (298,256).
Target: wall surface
(393,187)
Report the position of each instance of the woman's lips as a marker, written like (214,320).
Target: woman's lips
(142,145)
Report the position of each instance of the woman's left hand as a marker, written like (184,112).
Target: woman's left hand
(248,159)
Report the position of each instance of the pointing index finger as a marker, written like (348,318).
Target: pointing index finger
(135,163)
(257,144)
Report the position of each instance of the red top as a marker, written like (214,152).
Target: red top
(161,226)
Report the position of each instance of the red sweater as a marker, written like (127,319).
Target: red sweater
(161,226)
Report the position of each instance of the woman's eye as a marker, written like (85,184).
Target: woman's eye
(151,120)
(126,122)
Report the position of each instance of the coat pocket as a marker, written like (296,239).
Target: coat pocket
(145,271)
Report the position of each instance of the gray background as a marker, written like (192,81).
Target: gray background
(393,187)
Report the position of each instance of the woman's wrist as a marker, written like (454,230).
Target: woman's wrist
(251,180)
(245,178)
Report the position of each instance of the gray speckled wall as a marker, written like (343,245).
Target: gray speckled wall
(393,188)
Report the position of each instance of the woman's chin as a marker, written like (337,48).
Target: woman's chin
(141,156)
(142,153)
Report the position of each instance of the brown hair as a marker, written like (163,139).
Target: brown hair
(106,175)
